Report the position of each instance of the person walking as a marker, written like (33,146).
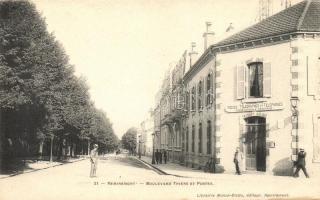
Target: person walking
(301,163)
(165,156)
(238,157)
(157,156)
(160,157)
(94,160)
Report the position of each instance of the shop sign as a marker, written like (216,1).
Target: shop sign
(254,107)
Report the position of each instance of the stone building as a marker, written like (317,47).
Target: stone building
(262,75)
(258,90)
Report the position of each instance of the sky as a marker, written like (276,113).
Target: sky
(124,47)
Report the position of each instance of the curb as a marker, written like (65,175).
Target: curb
(35,170)
(159,171)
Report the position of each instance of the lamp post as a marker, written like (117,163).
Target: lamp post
(295,119)
(139,147)
(153,161)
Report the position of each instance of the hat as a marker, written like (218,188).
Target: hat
(301,149)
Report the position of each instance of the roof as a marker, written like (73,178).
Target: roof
(304,16)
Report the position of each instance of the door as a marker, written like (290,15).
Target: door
(255,143)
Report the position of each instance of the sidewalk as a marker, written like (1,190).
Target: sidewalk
(32,166)
(179,170)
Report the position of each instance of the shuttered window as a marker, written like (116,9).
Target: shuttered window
(200,138)
(266,79)
(240,82)
(253,80)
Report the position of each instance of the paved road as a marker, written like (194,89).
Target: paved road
(127,178)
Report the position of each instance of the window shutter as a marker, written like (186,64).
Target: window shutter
(240,81)
(267,80)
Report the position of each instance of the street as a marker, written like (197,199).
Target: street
(127,178)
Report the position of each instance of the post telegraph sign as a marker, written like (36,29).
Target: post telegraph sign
(254,107)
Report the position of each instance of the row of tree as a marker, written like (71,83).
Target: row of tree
(129,140)
(44,107)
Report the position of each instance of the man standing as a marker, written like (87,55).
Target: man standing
(157,156)
(301,163)
(160,156)
(94,160)
(165,156)
(238,156)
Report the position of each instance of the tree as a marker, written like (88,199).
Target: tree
(129,140)
(42,102)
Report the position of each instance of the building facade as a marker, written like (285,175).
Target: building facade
(257,90)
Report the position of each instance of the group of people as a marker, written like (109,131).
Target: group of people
(161,156)
(299,164)
(238,159)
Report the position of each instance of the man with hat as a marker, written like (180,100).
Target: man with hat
(94,160)
(301,163)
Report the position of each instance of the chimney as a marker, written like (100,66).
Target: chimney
(208,36)
(193,54)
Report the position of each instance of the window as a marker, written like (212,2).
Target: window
(200,88)
(209,135)
(192,142)
(200,138)
(255,79)
(209,99)
(187,139)
(187,105)
(193,99)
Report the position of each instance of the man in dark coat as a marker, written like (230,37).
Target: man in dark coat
(165,156)
(301,163)
(157,156)
(160,157)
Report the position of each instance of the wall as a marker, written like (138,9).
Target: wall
(308,67)
(230,126)
(196,159)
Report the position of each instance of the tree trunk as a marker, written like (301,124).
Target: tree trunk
(73,150)
(40,149)
(88,147)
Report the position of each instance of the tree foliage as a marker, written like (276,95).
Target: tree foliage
(40,97)
(129,140)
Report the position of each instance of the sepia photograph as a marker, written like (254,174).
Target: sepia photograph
(159,99)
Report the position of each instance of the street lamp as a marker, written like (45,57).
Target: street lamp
(295,118)
(139,147)
(153,161)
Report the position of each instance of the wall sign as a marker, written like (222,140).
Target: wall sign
(254,107)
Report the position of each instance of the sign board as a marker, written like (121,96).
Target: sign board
(254,107)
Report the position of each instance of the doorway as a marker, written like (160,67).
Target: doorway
(255,143)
